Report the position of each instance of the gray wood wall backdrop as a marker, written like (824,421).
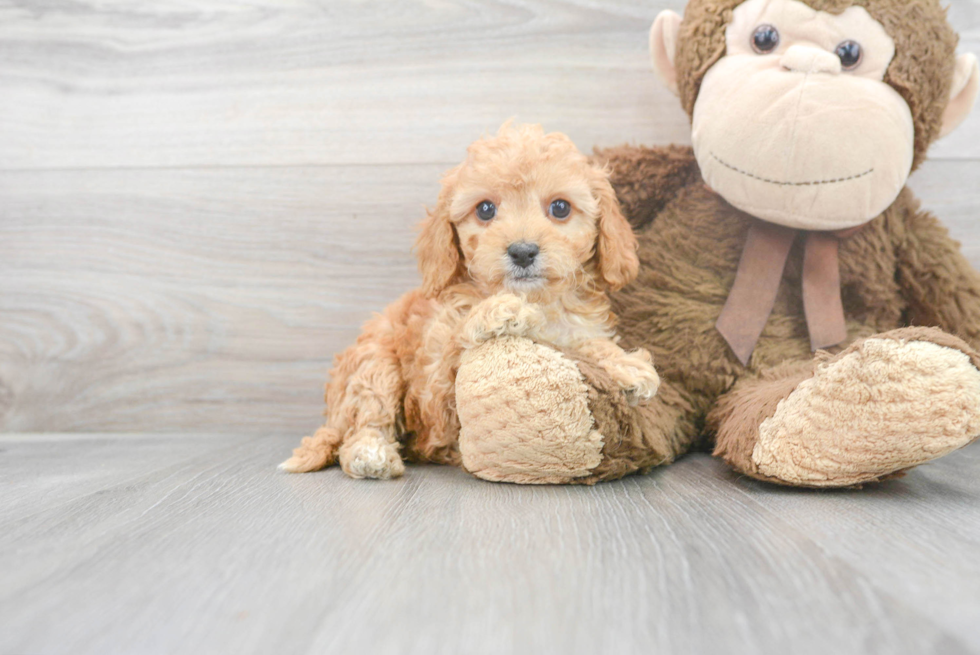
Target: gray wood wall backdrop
(200,202)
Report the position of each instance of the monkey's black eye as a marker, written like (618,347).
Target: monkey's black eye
(486,210)
(765,39)
(560,209)
(850,54)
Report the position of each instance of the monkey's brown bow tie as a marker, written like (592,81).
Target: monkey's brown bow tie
(760,271)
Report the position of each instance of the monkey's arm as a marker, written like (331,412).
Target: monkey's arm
(646,179)
(940,286)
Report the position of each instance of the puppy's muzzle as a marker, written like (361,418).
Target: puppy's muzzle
(523,253)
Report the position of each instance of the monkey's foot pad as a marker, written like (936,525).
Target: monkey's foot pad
(524,414)
(883,405)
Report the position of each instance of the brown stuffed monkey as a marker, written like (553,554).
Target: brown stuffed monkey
(808,319)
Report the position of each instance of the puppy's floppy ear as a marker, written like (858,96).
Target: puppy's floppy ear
(437,245)
(618,264)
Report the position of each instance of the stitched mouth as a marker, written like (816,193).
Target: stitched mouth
(785,183)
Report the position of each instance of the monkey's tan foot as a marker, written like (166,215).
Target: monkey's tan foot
(314,453)
(369,454)
(524,415)
(504,314)
(532,414)
(881,406)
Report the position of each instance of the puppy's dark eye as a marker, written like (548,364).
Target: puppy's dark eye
(765,39)
(486,210)
(850,54)
(561,209)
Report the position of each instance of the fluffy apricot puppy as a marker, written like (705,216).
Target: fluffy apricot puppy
(525,240)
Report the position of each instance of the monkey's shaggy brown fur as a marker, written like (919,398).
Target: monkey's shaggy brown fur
(901,270)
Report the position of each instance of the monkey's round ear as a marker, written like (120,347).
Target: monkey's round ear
(663,47)
(962,96)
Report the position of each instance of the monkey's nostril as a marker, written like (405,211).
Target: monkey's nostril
(523,253)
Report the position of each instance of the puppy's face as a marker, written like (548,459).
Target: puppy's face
(528,213)
(525,215)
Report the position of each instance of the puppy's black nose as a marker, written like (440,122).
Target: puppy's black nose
(523,253)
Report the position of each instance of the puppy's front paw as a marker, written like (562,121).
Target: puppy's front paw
(642,391)
(505,314)
(636,375)
(369,455)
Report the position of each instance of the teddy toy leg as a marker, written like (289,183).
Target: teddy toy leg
(535,415)
(881,406)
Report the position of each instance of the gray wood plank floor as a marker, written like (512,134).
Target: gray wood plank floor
(196,544)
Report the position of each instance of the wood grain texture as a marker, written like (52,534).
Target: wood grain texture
(54,468)
(201,202)
(207,299)
(214,299)
(213,551)
(170,83)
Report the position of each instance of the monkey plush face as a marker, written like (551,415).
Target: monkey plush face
(799,119)
(789,131)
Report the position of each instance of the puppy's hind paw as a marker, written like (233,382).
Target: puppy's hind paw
(370,455)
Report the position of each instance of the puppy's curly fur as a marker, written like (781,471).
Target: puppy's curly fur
(394,388)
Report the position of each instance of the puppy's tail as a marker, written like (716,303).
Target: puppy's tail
(314,453)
